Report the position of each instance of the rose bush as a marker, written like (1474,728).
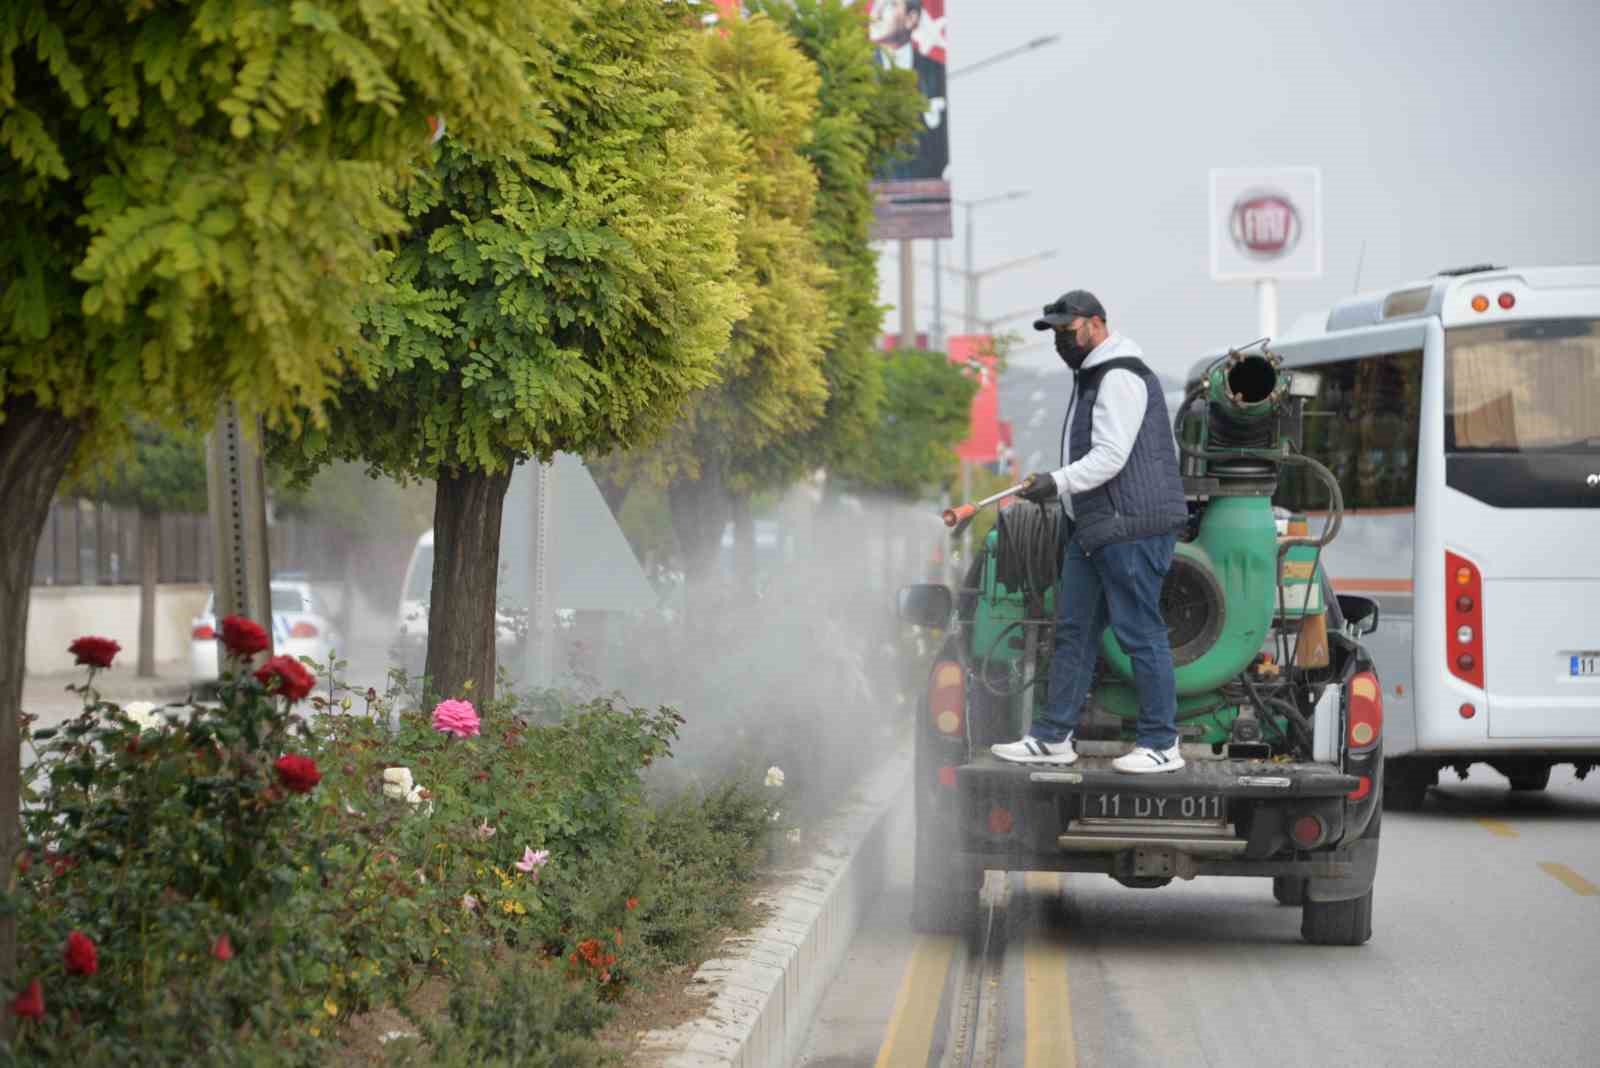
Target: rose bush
(232,884)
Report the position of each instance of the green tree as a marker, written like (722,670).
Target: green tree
(926,412)
(165,472)
(867,116)
(563,298)
(772,385)
(193,205)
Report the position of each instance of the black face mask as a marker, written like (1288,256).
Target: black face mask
(1072,354)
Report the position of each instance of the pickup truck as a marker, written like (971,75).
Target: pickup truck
(1280,707)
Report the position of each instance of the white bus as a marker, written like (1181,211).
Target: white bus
(1461,416)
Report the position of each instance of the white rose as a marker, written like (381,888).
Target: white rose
(774,776)
(143,713)
(397,783)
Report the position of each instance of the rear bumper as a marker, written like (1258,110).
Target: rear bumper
(1020,817)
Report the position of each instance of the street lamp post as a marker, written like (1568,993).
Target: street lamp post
(971,275)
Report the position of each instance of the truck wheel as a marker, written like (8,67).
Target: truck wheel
(1289,889)
(1532,779)
(1337,923)
(944,895)
(1406,782)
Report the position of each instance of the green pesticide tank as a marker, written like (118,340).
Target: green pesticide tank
(1220,597)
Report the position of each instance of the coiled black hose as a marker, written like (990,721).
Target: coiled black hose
(1027,547)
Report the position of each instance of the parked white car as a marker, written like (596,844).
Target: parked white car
(301,626)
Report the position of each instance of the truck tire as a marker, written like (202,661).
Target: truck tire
(1289,889)
(1406,782)
(1337,923)
(944,895)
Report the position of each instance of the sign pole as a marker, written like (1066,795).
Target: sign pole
(1267,307)
(236,486)
(908,296)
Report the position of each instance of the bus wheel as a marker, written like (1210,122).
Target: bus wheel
(1337,923)
(1531,779)
(1406,782)
(1289,889)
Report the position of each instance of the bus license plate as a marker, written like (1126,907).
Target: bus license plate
(1111,806)
(1585,665)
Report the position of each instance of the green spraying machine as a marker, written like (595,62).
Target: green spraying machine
(1246,602)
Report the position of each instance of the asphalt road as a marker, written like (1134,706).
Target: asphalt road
(1485,951)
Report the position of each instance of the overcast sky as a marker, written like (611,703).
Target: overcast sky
(1448,132)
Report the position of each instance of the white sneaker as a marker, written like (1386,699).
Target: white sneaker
(1031,750)
(1143,761)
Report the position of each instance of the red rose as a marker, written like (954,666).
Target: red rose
(81,956)
(243,637)
(222,949)
(633,903)
(95,652)
(298,773)
(294,681)
(30,1002)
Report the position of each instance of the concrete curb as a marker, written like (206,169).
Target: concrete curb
(766,987)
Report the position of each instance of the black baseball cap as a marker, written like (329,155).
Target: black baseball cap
(1080,303)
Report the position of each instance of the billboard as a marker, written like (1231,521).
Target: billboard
(1266,223)
(913,195)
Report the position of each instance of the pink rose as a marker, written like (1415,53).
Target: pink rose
(456,717)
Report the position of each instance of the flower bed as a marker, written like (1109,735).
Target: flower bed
(234,883)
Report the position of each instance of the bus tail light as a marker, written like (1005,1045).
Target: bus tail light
(1365,716)
(1463,621)
(947,698)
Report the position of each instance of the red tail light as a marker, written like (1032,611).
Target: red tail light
(1362,790)
(1364,720)
(204,633)
(1306,831)
(947,697)
(1000,822)
(1463,619)
(303,630)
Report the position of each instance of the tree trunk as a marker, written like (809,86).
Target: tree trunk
(699,513)
(149,573)
(36,445)
(466,567)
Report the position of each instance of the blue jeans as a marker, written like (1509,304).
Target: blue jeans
(1120,582)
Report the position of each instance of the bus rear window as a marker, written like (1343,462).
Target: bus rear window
(1523,387)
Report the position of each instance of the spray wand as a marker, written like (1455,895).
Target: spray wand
(958,517)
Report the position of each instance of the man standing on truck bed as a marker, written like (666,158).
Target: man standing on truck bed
(1124,504)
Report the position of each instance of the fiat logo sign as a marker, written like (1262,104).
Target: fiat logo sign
(1265,224)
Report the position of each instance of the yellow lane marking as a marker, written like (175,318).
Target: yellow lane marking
(1574,882)
(1499,827)
(1047,1009)
(916,1006)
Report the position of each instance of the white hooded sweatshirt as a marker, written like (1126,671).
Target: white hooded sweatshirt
(1118,412)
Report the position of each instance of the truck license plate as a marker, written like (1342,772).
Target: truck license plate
(1111,806)
(1585,665)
